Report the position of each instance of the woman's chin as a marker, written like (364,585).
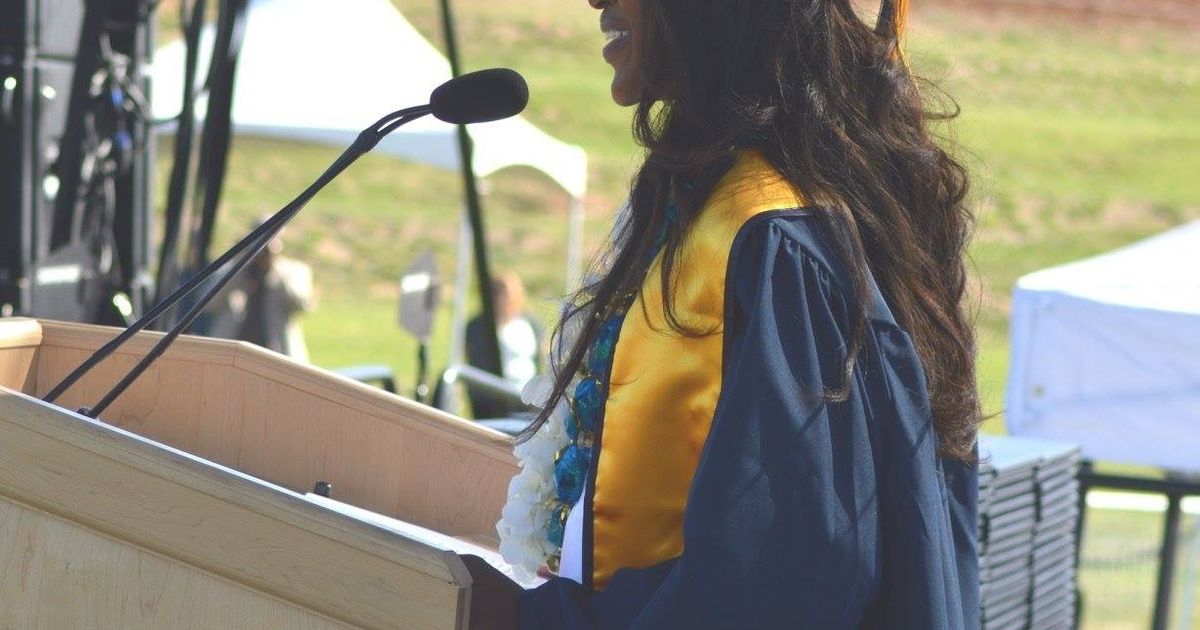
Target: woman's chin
(622,93)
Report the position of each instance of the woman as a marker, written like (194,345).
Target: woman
(767,414)
(520,347)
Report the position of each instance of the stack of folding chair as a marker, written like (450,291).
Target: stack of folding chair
(1028,511)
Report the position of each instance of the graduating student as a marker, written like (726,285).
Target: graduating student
(764,410)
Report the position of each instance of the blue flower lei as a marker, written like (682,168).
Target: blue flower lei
(587,405)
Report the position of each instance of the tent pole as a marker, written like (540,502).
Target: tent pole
(491,351)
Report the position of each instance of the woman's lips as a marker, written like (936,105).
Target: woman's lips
(617,41)
(616,32)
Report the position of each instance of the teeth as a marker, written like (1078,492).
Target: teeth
(612,36)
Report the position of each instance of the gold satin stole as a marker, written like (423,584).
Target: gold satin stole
(664,385)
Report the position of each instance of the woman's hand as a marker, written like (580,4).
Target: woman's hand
(493,596)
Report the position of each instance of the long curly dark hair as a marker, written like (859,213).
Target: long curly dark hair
(831,103)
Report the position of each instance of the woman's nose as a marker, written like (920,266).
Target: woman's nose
(598,4)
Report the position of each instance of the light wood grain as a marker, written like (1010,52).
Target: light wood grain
(267,540)
(293,425)
(57,574)
(16,369)
(19,332)
(19,341)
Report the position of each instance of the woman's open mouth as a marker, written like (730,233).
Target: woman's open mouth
(616,36)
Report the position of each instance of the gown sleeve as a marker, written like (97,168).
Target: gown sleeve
(802,513)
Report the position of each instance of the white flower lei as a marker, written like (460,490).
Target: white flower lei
(525,520)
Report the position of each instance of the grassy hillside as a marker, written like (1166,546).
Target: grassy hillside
(1080,138)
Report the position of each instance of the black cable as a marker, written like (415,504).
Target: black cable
(70,161)
(289,211)
(182,161)
(189,317)
(483,274)
(218,124)
(257,238)
(154,313)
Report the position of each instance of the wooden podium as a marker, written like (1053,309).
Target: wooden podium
(185,507)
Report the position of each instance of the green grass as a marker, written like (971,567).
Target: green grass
(1119,570)
(1080,138)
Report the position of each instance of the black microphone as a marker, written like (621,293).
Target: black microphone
(481,96)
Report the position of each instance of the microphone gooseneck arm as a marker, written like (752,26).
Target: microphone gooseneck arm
(248,247)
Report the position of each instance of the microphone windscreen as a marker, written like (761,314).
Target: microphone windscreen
(480,97)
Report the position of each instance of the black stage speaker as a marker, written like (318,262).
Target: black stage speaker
(74,228)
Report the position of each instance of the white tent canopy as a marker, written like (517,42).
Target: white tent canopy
(321,71)
(1106,353)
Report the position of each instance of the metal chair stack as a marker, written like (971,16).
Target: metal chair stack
(1028,511)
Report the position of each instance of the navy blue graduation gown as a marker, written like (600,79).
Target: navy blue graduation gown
(803,513)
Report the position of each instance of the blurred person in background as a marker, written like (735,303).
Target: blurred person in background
(764,410)
(262,303)
(520,344)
